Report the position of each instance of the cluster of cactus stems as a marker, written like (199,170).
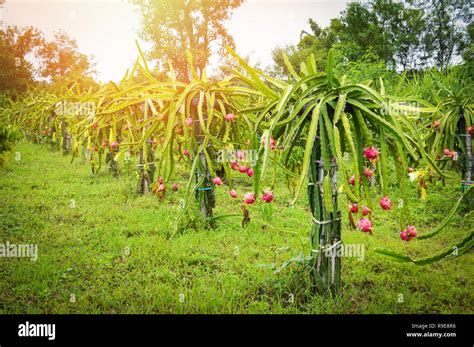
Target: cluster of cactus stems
(254,111)
(146,157)
(204,188)
(333,116)
(146,168)
(326,228)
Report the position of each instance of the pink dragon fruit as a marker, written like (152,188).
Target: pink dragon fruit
(368,173)
(353,208)
(217,181)
(365,210)
(371,153)
(411,231)
(189,122)
(267,196)
(365,225)
(352,180)
(229,117)
(243,169)
(386,203)
(114,145)
(404,235)
(249,198)
(234,165)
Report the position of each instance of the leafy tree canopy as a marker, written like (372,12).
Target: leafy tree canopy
(28,59)
(409,34)
(177,26)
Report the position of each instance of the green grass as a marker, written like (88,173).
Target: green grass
(83,250)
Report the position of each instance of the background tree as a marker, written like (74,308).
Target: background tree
(175,26)
(15,70)
(391,28)
(28,59)
(409,34)
(317,42)
(62,64)
(468,54)
(445,34)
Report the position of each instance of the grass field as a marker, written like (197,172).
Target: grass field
(102,249)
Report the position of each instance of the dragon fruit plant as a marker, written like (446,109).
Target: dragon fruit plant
(333,115)
(448,133)
(9,136)
(195,122)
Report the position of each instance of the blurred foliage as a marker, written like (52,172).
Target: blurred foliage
(9,135)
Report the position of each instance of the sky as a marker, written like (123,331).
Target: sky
(107,29)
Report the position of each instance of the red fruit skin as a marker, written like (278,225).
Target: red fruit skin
(267,197)
(368,173)
(272,142)
(365,210)
(250,172)
(352,180)
(446,152)
(404,235)
(234,165)
(249,198)
(411,230)
(233,194)
(243,169)
(470,130)
(186,153)
(217,181)
(229,117)
(365,225)
(371,153)
(175,187)
(353,208)
(385,203)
